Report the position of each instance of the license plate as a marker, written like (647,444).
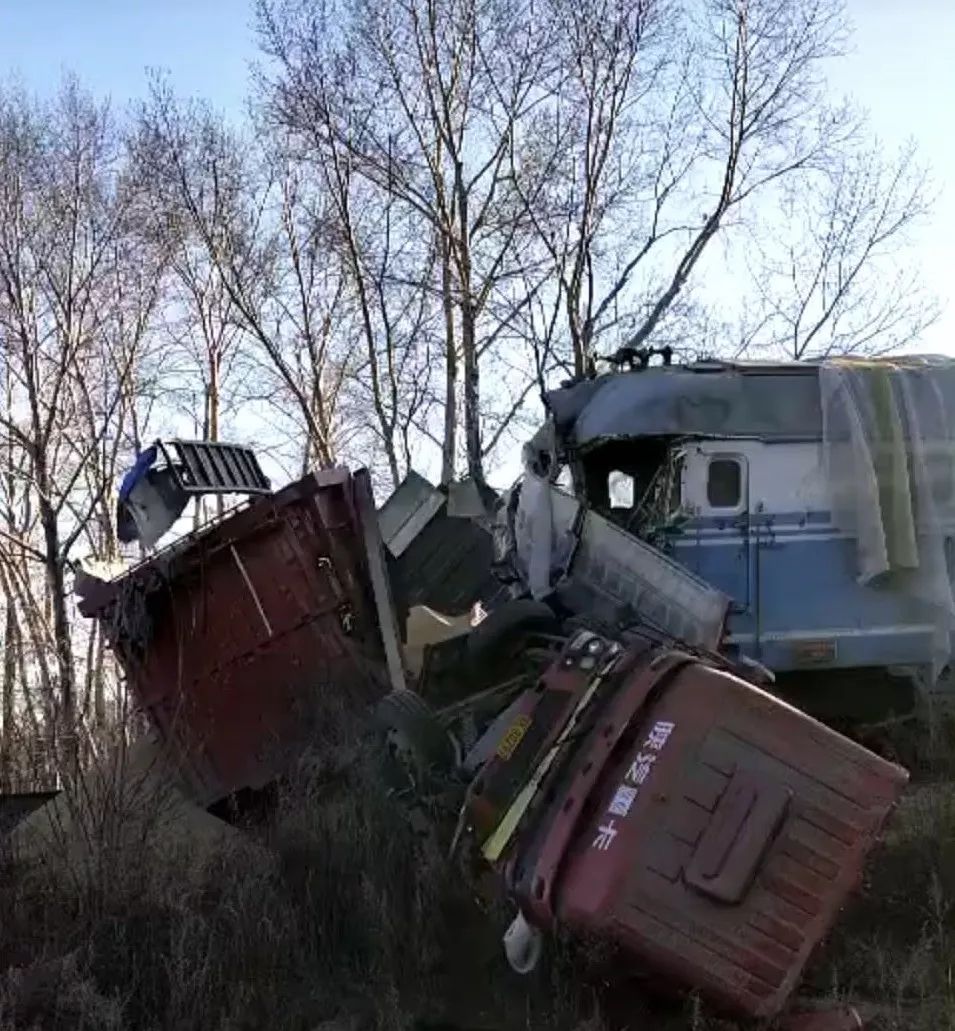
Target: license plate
(815,652)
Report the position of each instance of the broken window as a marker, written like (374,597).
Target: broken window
(676,484)
(724,483)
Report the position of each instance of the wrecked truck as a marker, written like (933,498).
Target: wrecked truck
(625,781)
(817,498)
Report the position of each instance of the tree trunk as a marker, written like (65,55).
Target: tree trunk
(449,448)
(214,405)
(62,639)
(10,646)
(99,678)
(468,306)
(472,394)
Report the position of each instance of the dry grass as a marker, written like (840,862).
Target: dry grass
(342,913)
(895,948)
(350,914)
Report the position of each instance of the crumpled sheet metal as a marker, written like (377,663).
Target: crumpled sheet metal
(769,403)
(553,539)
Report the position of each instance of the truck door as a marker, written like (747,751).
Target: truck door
(719,483)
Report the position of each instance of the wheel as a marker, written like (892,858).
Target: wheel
(499,637)
(417,745)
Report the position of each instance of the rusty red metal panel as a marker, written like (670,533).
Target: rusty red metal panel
(709,829)
(244,640)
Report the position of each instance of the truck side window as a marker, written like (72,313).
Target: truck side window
(724,483)
(620,487)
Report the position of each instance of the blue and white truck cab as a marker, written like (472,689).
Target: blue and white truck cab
(759,525)
(819,499)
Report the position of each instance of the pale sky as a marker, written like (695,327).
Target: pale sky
(902,70)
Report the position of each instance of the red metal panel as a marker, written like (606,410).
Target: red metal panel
(717,841)
(613,724)
(254,632)
(537,722)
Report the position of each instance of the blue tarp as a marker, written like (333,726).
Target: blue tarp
(144,462)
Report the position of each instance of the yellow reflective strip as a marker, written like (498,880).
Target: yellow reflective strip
(504,831)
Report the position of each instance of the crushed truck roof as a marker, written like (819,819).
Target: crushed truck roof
(765,400)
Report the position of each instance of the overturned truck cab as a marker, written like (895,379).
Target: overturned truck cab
(819,499)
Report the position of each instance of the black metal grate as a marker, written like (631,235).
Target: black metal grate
(203,467)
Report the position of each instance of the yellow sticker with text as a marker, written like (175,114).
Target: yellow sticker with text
(513,737)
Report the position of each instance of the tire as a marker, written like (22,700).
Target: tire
(499,637)
(415,734)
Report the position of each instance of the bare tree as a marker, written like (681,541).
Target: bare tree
(673,126)
(423,97)
(388,271)
(202,325)
(765,118)
(69,260)
(572,163)
(617,139)
(256,221)
(822,264)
